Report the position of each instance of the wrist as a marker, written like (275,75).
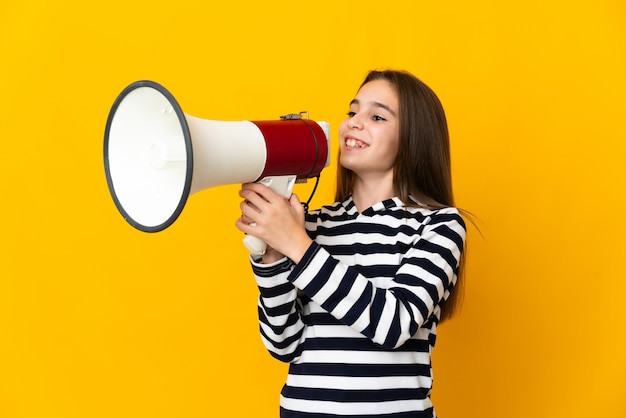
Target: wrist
(271,256)
(299,248)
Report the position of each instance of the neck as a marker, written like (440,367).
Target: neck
(366,193)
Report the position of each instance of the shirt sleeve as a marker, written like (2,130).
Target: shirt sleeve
(279,309)
(388,316)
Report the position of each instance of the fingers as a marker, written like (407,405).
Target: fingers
(249,209)
(246,225)
(261,205)
(257,200)
(296,205)
(260,198)
(259,192)
(254,198)
(274,219)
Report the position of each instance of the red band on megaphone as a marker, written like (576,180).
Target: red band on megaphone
(294,147)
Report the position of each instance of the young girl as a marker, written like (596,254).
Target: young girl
(351,294)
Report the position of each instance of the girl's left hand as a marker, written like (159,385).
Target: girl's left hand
(277,221)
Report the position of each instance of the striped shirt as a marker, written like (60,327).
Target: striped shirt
(356,318)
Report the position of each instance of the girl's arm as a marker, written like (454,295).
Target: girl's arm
(280,321)
(388,316)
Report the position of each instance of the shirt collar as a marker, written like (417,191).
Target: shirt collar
(381,206)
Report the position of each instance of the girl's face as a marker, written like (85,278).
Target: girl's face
(370,136)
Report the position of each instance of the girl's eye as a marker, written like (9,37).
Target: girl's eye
(378,118)
(351,114)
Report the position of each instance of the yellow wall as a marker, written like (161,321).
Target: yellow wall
(100,320)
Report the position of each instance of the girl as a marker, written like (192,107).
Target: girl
(351,294)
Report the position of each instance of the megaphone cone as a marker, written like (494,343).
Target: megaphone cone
(155,155)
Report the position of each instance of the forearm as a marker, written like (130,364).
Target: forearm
(389,315)
(280,321)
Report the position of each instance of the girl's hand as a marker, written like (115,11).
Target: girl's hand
(277,221)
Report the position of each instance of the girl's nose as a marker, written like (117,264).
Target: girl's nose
(355,122)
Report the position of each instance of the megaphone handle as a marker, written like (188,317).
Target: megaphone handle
(282,185)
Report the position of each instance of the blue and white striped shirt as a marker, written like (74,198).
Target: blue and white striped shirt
(356,318)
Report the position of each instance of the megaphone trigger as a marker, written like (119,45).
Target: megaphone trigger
(282,185)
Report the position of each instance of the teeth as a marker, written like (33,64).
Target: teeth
(353,143)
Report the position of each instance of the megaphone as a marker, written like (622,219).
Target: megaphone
(156,156)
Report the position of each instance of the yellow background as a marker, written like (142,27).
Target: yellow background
(100,320)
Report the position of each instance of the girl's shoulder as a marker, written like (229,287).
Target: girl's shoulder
(433,216)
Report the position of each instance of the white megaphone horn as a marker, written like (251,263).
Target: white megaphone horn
(152,167)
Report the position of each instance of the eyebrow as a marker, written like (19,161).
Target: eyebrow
(376,104)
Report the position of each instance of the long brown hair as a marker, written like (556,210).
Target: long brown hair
(422,169)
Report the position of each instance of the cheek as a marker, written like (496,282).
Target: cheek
(396,146)
(393,145)
(342,128)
